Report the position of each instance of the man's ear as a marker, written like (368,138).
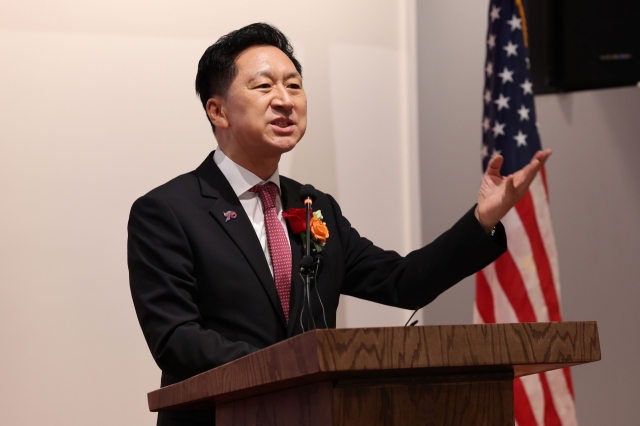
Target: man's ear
(217,113)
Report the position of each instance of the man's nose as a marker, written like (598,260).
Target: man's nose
(282,98)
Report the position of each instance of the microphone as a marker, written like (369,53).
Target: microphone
(305,264)
(308,191)
(308,195)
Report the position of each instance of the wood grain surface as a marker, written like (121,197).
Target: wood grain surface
(308,405)
(322,355)
(485,400)
(543,345)
(459,400)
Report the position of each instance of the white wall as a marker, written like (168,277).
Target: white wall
(594,183)
(98,107)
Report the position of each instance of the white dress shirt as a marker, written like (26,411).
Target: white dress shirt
(242,180)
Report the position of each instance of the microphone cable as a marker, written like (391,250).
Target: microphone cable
(304,296)
(413,323)
(315,281)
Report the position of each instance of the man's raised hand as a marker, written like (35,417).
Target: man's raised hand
(498,194)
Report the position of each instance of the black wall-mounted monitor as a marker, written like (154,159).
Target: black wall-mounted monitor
(583,44)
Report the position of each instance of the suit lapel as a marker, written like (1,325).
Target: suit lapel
(214,185)
(290,199)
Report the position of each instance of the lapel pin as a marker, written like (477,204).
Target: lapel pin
(229,215)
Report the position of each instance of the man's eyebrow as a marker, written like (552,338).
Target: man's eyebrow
(264,73)
(293,74)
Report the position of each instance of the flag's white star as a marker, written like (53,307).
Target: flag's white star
(527,86)
(487,96)
(491,42)
(496,153)
(515,23)
(528,62)
(484,151)
(511,49)
(506,75)
(524,113)
(521,138)
(495,13)
(502,102)
(486,124)
(498,129)
(489,69)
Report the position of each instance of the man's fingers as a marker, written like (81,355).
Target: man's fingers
(543,156)
(509,185)
(494,166)
(530,171)
(526,176)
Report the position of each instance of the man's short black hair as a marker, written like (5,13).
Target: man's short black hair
(217,67)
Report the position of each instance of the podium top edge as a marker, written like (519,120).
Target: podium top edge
(339,353)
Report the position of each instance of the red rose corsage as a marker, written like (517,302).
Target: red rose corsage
(297,220)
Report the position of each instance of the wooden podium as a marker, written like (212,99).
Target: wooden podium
(431,375)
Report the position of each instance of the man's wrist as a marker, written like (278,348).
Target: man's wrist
(489,229)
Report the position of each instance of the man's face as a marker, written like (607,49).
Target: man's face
(265,107)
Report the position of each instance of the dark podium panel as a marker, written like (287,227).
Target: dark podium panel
(430,375)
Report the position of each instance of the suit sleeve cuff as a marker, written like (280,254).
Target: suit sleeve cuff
(497,236)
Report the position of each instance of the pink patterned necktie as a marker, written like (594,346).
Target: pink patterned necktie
(277,241)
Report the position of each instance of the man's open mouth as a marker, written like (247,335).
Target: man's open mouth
(282,124)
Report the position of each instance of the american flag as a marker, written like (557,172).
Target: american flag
(523,284)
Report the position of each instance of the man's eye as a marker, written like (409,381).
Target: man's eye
(264,86)
(294,86)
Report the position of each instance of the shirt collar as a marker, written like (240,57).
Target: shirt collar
(241,179)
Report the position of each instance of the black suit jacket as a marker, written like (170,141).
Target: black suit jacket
(205,296)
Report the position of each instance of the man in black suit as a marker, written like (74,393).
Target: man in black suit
(208,255)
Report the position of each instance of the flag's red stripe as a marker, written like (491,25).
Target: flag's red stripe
(522,406)
(484,299)
(526,211)
(567,376)
(543,173)
(551,417)
(513,287)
